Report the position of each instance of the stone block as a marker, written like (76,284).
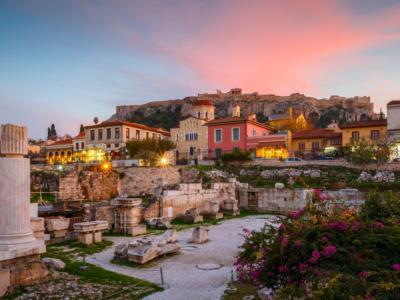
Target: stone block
(97,238)
(57,224)
(199,235)
(58,233)
(85,238)
(14,140)
(137,230)
(5,281)
(54,263)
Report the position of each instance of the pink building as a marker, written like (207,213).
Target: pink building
(228,134)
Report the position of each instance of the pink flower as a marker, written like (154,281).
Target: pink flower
(297,243)
(314,257)
(281,227)
(377,225)
(324,239)
(296,214)
(284,241)
(355,226)
(303,268)
(283,269)
(339,225)
(363,274)
(396,267)
(329,250)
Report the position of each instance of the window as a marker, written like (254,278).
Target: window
(138,134)
(92,135)
(108,133)
(127,133)
(77,146)
(82,145)
(198,114)
(147,135)
(218,135)
(108,145)
(374,135)
(117,133)
(302,146)
(153,135)
(206,115)
(116,145)
(177,137)
(235,134)
(315,145)
(100,134)
(336,141)
(355,136)
(254,132)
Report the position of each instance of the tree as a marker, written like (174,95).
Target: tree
(51,132)
(360,153)
(81,129)
(96,120)
(149,150)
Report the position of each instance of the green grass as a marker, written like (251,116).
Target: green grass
(45,197)
(92,273)
(242,290)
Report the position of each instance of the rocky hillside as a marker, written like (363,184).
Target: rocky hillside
(167,113)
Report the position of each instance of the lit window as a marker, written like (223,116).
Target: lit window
(218,135)
(235,134)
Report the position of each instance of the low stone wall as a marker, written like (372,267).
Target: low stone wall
(270,200)
(145,180)
(176,202)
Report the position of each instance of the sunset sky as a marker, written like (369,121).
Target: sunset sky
(65,62)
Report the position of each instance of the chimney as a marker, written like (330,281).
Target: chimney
(236,111)
(252,117)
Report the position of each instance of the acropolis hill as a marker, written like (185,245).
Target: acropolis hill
(319,110)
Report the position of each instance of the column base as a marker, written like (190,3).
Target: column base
(8,252)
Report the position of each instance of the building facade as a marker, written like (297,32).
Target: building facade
(289,121)
(109,138)
(59,152)
(393,127)
(191,137)
(369,131)
(245,134)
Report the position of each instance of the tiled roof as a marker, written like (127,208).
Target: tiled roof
(316,133)
(394,102)
(81,135)
(61,143)
(131,124)
(203,102)
(367,123)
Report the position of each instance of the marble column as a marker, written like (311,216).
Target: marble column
(16,236)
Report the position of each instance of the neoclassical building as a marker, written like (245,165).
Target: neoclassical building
(191,136)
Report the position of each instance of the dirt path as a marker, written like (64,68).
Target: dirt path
(184,279)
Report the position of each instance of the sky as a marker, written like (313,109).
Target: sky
(64,62)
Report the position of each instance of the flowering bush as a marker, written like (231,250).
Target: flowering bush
(326,250)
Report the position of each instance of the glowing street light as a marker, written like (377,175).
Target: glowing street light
(163,161)
(105,166)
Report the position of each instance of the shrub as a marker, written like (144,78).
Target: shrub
(327,251)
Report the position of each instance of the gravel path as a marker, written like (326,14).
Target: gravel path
(183,279)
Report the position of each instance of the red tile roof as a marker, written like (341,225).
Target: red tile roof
(131,124)
(316,133)
(203,102)
(233,120)
(81,135)
(367,123)
(394,102)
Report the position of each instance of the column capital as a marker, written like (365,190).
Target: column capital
(14,140)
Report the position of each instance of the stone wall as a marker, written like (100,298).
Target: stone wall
(271,200)
(88,185)
(191,195)
(145,180)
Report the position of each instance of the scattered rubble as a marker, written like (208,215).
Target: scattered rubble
(268,174)
(380,176)
(193,216)
(199,235)
(145,249)
(53,263)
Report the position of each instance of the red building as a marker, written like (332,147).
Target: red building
(228,134)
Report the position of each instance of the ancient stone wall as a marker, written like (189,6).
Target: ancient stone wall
(88,185)
(145,180)
(192,195)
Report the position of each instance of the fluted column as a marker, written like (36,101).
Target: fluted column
(15,228)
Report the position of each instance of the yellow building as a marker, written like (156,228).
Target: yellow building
(191,137)
(59,152)
(370,131)
(309,143)
(289,121)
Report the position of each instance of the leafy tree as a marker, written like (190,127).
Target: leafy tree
(149,150)
(236,156)
(96,120)
(360,153)
(51,132)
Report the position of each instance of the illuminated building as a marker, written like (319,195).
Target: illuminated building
(289,121)
(369,131)
(393,127)
(59,152)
